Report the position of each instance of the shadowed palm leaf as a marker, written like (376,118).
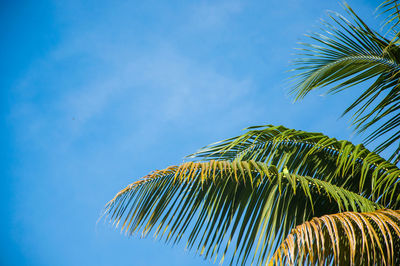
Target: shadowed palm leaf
(348,54)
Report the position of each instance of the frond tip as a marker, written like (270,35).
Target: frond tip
(348,238)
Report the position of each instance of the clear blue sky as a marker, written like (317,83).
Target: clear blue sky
(96,94)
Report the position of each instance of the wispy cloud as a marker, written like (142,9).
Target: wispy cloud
(155,86)
(214,14)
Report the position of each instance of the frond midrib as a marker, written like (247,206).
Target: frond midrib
(371,58)
(313,182)
(302,142)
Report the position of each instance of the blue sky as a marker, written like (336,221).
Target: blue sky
(96,94)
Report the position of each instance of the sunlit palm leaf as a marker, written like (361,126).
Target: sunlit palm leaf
(348,238)
(314,154)
(349,53)
(220,202)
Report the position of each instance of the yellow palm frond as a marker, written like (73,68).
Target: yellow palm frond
(348,238)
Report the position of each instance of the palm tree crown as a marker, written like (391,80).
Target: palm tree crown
(278,195)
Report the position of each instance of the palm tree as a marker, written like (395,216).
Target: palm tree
(277,195)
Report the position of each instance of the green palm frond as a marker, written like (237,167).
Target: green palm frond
(347,54)
(348,238)
(255,197)
(247,203)
(314,154)
(391,10)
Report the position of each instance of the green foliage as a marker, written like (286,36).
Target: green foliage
(351,53)
(391,10)
(313,154)
(257,197)
(251,190)
(217,199)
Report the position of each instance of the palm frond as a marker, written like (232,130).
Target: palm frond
(347,54)
(247,203)
(391,10)
(316,155)
(347,238)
